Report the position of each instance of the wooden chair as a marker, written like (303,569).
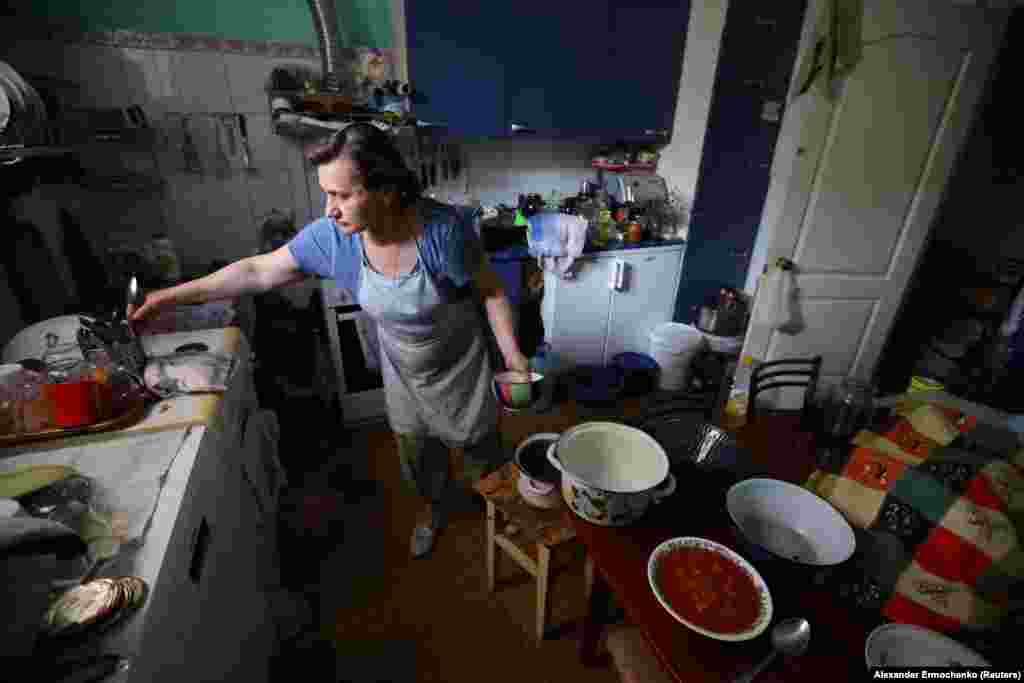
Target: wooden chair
(787,372)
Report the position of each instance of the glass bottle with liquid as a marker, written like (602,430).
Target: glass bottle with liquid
(603,233)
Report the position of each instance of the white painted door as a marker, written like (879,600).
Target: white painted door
(646,299)
(857,180)
(576,311)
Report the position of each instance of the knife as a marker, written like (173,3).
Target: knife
(243,129)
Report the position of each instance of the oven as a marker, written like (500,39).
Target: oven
(355,354)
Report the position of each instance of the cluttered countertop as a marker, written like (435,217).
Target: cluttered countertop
(122,503)
(623,211)
(522,252)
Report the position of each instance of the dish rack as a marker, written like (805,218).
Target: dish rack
(122,345)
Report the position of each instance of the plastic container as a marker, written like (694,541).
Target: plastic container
(736,404)
(673,346)
(640,373)
(724,344)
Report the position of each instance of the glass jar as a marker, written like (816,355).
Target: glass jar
(604,228)
(849,408)
(72,393)
(163,256)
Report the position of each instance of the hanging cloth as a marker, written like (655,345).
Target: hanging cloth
(837,49)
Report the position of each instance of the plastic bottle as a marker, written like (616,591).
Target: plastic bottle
(736,406)
(604,228)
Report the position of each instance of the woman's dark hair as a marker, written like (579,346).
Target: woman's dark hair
(376,158)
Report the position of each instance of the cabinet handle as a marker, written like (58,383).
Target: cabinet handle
(656,131)
(200,546)
(618,278)
(520,128)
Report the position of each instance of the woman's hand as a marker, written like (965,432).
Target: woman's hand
(153,304)
(517,362)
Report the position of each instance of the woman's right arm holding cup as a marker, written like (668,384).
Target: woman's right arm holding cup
(252,275)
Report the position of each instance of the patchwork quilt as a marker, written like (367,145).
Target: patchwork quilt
(937,501)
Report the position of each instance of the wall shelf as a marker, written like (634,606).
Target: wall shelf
(308,125)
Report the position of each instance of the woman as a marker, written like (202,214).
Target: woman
(414,265)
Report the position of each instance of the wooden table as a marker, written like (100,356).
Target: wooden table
(620,555)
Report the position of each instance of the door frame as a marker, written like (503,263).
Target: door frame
(798,152)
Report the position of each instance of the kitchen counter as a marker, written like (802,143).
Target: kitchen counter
(522,253)
(207,553)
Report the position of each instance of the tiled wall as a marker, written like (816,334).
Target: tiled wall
(215,215)
(212,215)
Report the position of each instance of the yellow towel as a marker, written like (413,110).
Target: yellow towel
(837,49)
(25,479)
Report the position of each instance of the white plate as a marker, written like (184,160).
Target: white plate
(25,103)
(9,507)
(790,522)
(5,108)
(31,341)
(763,619)
(903,645)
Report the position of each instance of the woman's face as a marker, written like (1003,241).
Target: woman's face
(352,207)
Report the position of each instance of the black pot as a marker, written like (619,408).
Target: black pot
(532,459)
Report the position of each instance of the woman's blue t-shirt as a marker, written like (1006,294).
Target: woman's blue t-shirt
(451,249)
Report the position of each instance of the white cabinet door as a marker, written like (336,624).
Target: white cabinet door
(576,314)
(646,299)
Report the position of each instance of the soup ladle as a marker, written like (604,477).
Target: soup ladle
(790,637)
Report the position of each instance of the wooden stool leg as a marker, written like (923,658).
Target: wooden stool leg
(543,567)
(491,513)
(588,578)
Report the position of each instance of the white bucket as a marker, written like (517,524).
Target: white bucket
(673,346)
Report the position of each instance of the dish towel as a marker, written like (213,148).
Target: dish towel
(837,49)
(188,373)
(557,240)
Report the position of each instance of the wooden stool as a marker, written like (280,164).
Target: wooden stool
(544,528)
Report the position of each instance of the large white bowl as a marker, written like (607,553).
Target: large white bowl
(790,522)
(763,619)
(905,645)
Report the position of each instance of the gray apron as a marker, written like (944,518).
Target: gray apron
(437,375)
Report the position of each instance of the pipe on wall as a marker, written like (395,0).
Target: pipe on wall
(325,21)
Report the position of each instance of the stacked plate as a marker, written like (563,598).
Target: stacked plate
(94,606)
(22,112)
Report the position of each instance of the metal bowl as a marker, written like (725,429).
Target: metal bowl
(517,391)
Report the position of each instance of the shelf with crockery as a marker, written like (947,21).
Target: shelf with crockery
(304,116)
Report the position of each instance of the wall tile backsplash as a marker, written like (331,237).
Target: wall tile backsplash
(215,214)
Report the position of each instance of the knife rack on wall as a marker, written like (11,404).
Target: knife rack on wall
(209,143)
